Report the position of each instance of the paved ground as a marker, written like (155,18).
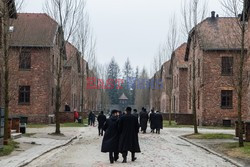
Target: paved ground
(165,150)
(38,144)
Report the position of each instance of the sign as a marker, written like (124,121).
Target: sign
(1,127)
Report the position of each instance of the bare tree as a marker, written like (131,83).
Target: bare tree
(66,13)
(193,12)
(7,10)
(171,44)
(240,8)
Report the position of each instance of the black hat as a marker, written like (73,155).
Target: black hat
(114,111)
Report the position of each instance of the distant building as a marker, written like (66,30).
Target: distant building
(179,70)
(123,102)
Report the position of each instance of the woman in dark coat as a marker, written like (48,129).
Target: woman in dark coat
(111,137)
(144,121)
(128,128)
(158,122)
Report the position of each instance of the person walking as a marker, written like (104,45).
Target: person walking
(110,140)
(152,121)
(144,120)
(158,122)
(128,128)
(136,114)
(101,120)
(93,119)
(90,118)
(76,115)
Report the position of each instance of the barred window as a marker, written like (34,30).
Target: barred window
(227,66)
(226,99)
(24,94)
(25,60)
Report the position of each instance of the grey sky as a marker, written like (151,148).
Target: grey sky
(129,28)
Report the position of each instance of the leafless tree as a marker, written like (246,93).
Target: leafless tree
(66,13)
(240,8)
(171,44)
(7,9)
(193,11)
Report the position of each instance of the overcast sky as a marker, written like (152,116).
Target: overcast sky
(129,28)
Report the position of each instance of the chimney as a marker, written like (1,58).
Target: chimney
(213,14)
(217,15)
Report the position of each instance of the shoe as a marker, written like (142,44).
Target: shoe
(133,159)
(112,162)
(116,158)
(124,160)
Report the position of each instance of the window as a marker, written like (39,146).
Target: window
(190,100)
(25,60)
(190,72)
(53,64)
(52,98)
(24,95)
(227,99)
(199,67)
(198,99)
(227,66)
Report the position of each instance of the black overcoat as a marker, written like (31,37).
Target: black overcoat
(101,120)
(158,121)
(128,128)
(152,120)
(111,137)
(144,120)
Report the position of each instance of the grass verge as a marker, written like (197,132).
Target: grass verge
(210,136)
(84,124)
(8,149)
(174,125)
(233,150)
(36,126)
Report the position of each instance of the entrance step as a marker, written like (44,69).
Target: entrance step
(16,135)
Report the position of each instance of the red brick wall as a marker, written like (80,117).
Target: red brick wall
(183,95)
(66,117)
(39,78)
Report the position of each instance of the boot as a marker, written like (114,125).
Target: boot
(124,160)
(111,158)
(133,157)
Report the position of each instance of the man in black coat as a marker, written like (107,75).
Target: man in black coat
(110,140)
(135,113)
(152,121)
(158,122)
(101,120)
(128,128)
(144,120)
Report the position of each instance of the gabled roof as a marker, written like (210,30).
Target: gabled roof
(179,53)
(165,69)
(123,97)
(33,30)
(216,34)
(73,54)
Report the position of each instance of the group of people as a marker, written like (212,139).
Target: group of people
(121,135)
(91,119)
(155,119)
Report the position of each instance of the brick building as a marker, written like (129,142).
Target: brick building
(34,60)
(165,91)
(216,58)
(71,93)
(179,71)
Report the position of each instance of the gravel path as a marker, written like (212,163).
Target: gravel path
(164,150)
